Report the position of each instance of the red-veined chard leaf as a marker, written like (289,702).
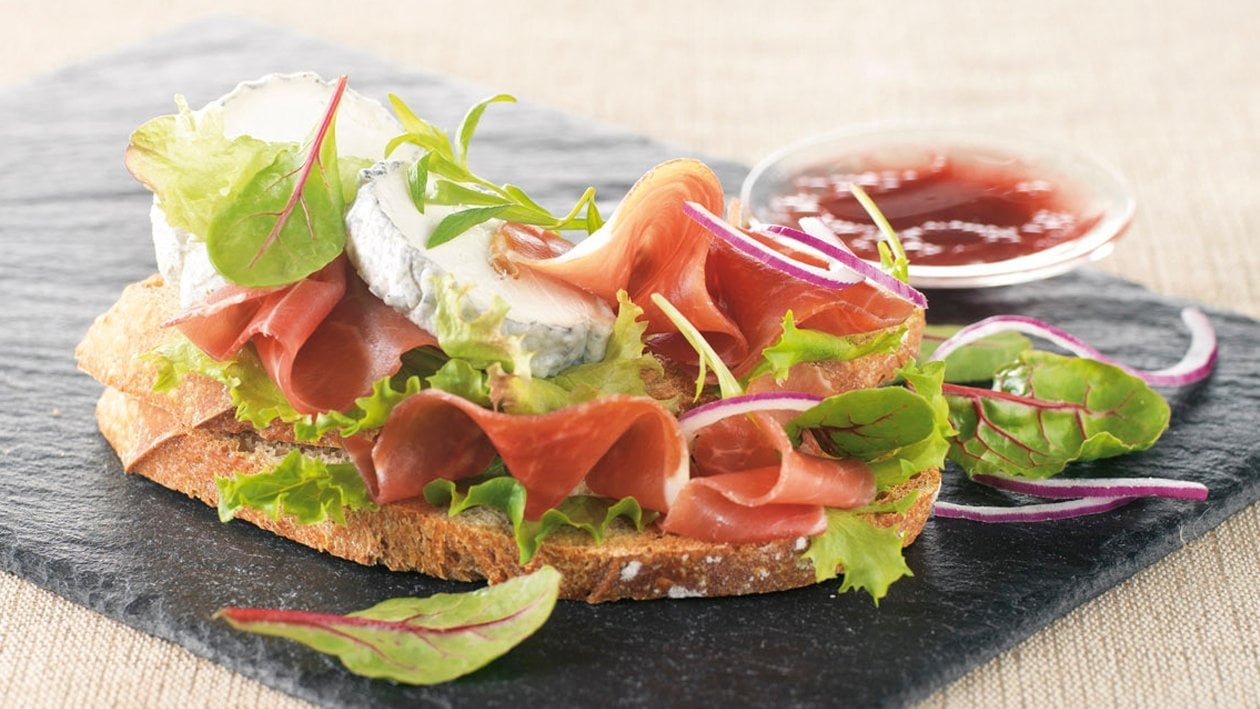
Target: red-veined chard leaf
(418,640)
(288,220)
(978,361)
(1047,410)
(866,423)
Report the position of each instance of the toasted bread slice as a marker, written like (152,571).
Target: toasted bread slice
(183,440)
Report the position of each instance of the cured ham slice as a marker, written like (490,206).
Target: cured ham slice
(779,492)
(756,297)
(323,340)
(618,446)
(650,246)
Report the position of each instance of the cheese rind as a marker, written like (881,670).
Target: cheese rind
(561,325)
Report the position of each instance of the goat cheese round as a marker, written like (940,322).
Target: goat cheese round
(561,325)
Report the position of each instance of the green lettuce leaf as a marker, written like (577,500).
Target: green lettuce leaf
(306,489)
(978,361)
(930,452)
(192,167)
(369,411)
(479,340)
(1047,410)
(418,640)
(871,555)
(257,399)
(796,345)
(619,372)
(588,513)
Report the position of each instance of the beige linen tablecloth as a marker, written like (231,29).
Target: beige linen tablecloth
(1169,93)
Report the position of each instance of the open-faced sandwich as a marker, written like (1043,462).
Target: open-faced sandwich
(356,342)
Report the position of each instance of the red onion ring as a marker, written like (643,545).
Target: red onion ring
(1196,364)
(1043,512)
(766,255)
(695,419)
(1098,487)
(846,258)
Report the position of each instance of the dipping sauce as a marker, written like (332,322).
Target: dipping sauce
(948,209)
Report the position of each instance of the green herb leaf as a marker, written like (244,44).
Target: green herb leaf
(306,489)
(727,384)
(891,255)
(1047,410)
(457,223)
(418,640)
(796,345)
(257,399)
(469,125)
(418,182)
(288,221)
(591,514)
(419,131)
(870,555)
(978,361)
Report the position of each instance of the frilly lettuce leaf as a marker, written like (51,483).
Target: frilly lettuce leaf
(307,489)
(797,345)
(870,554)
(369,411)
(257,399)
(479,340)
(588,513)
(419,641)
(195,170)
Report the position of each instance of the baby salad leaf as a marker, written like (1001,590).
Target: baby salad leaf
(891,255)
(1047,410)
(584,512)
(418,182)
(288,221)
(418,640)
(796,345)
(192,167)
(931,451)
(866,423)
(307,489)
(870,554)
(977,361)
(257,398)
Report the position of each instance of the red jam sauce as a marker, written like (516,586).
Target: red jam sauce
(947,211)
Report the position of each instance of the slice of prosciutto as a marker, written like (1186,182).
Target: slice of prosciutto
(751,485)
(323,340)
(617,446)
(650,246)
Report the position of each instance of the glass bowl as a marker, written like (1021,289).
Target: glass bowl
(1100,197)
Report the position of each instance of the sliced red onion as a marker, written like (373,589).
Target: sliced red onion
(766,255)
(850,261)
(1098,487)
(818,229)
(695,419)
(1044,512)
(1195,365)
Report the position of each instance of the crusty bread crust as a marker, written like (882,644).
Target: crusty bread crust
(184,440)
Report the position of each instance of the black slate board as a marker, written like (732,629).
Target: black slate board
(73,231)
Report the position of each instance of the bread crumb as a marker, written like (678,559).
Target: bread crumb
(684,592)
(801,543)
(712,559)
(630,570)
